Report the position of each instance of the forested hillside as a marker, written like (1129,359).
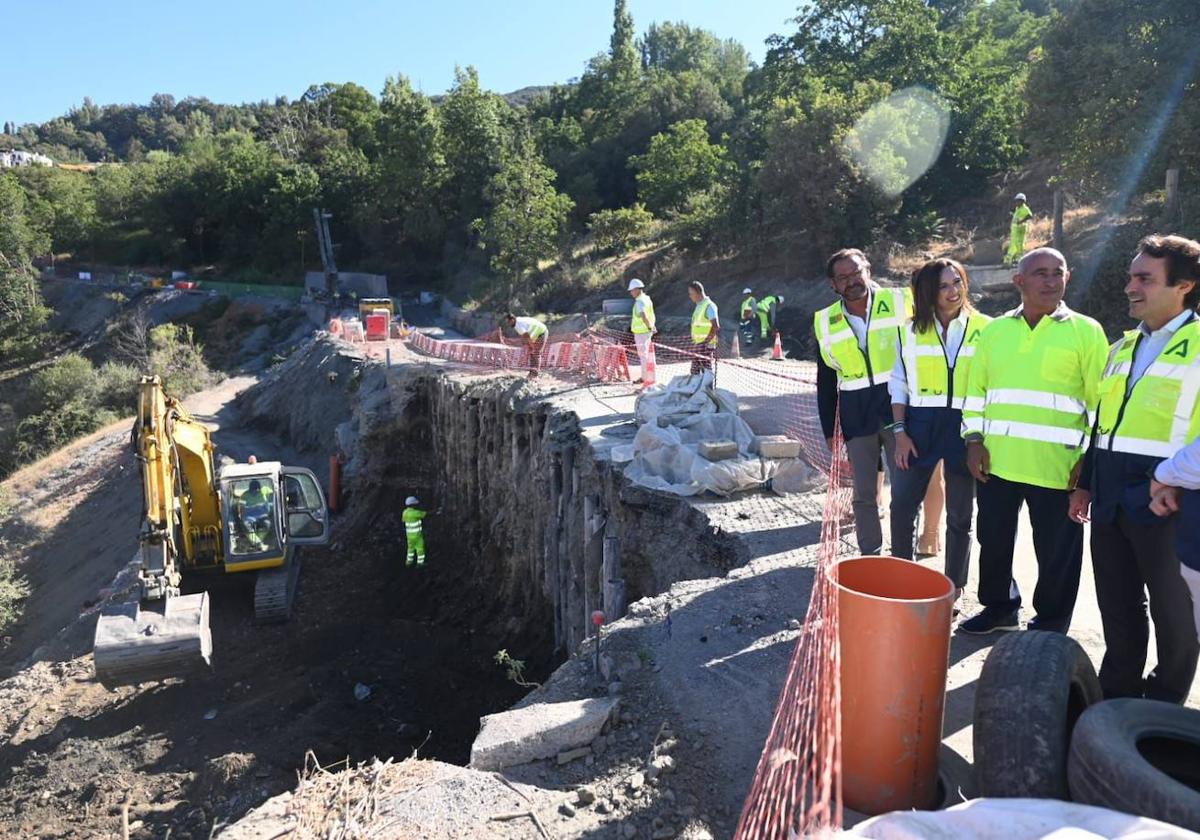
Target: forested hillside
(674,131)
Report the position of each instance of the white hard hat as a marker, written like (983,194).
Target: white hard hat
(412,500)
(635,284)
(781,298)
(747,291)
(1019,197)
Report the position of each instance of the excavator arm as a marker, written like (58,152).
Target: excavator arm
(182,522)
(165,634)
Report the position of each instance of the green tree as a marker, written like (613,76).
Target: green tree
(623,62)
(528,215)
(472,132)
(411,168)
(1139,51)
(679,163)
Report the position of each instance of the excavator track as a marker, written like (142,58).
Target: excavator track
(275,592)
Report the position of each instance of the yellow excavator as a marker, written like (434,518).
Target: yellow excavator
(245,518)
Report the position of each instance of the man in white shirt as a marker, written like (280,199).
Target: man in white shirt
(534,333)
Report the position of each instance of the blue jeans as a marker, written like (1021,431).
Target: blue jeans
(908,490)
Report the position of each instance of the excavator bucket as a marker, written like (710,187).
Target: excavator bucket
(138,643)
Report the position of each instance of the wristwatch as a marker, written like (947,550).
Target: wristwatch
(898,426)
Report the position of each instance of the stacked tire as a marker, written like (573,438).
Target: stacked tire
(1041,731)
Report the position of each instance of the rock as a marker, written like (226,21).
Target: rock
(794,624)
(211,714)
(361,692)
(566,810)
(669,795)
(629,831)
(585,795)
(540,730)
(664,763)
(614,688)
(667,745)
(651,773)
(628,716)
(633,735)
(590,760)
(568,756)
(602,807)
(636,781)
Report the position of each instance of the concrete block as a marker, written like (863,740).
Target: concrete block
(718,450)
(542,730)
(777,446)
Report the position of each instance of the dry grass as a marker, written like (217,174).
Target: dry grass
(957,243)
(344,804)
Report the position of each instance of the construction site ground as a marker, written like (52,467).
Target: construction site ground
(697,670)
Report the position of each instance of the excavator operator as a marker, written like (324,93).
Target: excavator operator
(254,527)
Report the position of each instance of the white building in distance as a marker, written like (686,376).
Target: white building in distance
(13,158)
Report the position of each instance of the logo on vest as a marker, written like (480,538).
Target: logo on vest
(883,306)
(1180,349)
(974,335)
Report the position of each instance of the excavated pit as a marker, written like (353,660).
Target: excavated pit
(517,560)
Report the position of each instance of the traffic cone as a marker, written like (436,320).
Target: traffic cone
(777,350)
(735,349)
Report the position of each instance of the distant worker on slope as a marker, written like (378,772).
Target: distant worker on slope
(642,325)
(747,312)
(534,333)
(706,328)
(1016,232)
(856,338)
(414,532)
(768,308)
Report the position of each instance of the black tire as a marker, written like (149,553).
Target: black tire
(1141,757)
(1032,689)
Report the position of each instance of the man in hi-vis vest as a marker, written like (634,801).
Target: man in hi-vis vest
(706,328)
(643,326)
(1148,413)
(1031,400)
(857,341)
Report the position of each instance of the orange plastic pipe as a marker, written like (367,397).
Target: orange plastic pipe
(894,628)
(335,482)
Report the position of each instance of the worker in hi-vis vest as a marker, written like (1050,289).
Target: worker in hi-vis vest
(643,327)
(1031,401)
(856,338)
(706,328)
(414,533)
(1148,413)
(768,310)
(1017,229)
(533,332)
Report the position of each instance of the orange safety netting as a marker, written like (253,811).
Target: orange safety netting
(796,791)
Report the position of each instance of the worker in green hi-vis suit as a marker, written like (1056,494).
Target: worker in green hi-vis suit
(413,532)
(1016,234)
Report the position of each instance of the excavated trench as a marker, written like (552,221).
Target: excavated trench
(529,535)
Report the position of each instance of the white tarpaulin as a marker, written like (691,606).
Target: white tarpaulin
(674,419)
(1015,819)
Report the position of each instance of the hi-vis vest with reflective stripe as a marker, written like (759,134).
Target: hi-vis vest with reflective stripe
(856,369)
(1160,414)
(701,323)
(927,365)
(412,521)
(749,304)
(638,326)
(1032,394)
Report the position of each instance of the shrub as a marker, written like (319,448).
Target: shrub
(618,228)
(117,386)
(178,359)
(69,379)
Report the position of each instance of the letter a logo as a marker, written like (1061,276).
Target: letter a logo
(1180,350)
(971,338)
(883,306)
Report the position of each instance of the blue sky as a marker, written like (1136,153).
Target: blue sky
(55,55)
